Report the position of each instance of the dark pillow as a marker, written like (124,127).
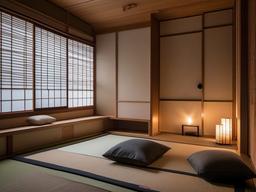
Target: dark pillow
(136,152)
(220,166)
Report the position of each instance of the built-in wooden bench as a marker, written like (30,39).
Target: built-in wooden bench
(67,127)
(18,130)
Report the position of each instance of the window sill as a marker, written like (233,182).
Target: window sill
(42,111)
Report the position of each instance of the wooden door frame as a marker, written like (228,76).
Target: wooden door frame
(244,90)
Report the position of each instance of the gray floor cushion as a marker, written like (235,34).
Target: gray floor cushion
(136,152)
(220,166)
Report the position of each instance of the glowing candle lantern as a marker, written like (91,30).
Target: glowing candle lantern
(224,131)
(189,121)
(218,133)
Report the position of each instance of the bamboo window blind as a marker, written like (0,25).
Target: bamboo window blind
(40,69)
(50,69)
(16,69)
(80,76)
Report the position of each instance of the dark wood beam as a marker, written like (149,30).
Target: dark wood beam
(244,79)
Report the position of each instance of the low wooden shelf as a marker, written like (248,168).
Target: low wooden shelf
(183,131)
(130,124)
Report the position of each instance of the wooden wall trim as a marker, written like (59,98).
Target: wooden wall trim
(165,99)
(244,79)
(133,101)
(252,79)
(218,100)
(94,80)
(116,54)
(124,28)
(216,26)
(155,76)
(176,18)
(234,121)
(203,71)
(183,33)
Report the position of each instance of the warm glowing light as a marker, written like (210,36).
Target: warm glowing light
(189,120)
(224,131)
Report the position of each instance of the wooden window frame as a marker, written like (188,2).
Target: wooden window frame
(49,110)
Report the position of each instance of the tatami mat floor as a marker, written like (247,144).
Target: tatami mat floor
(11,170)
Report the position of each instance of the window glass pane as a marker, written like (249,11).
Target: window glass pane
(81,72)
(18,105)
(16,69)
(6,94)
(45,103)
(38,94)
(51,103)
(6,106)
(57,102)
(18,94)
(39,103)
(29,94)
(29,104)
(51,94)
(51,68)
(57,94)
(63,102)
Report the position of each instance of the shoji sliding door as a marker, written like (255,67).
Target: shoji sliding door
(196,51)
(180,73)
(133,74)
(218,91)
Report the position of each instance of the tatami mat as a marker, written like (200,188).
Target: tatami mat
(87,156)
(147,178)
(174,159)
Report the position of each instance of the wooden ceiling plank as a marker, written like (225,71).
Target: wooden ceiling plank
(104,15)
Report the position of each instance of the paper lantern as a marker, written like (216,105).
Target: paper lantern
(224,131)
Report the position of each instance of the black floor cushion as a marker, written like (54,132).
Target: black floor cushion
(220,166)
(136,152)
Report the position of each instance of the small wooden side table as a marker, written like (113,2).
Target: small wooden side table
(194,126)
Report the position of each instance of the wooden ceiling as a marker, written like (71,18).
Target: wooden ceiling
(108,15)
